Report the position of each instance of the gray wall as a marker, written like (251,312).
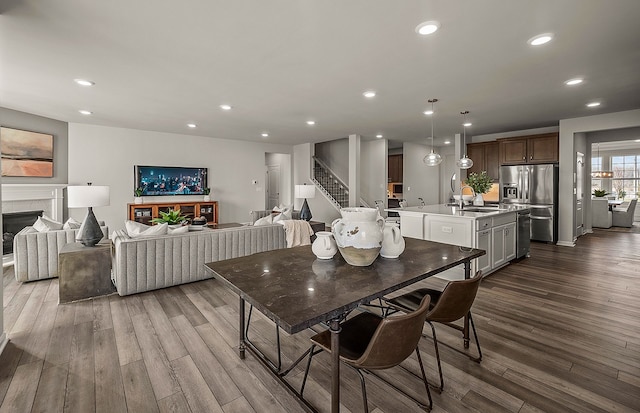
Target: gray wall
(20,120)
(106,156)
(336,155)
(419,180)
(373,171)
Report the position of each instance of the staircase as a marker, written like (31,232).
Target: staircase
(336,190)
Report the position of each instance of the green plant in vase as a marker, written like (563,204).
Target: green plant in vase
(480,183)
(171,217)
(599,193)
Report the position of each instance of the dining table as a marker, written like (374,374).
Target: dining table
(614,203)
(296,290)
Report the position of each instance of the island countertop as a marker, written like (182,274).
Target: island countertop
(468,212)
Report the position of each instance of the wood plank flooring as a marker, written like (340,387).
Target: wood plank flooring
(560,332)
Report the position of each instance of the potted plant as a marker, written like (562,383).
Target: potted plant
(206,192)
(137,195)
(171,217)
(599,193)
(622,194)
(481,184)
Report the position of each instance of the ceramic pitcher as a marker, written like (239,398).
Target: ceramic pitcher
(358,235)
(324,246)
(392,241)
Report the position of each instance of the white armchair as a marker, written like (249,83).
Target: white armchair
(624,217)
(601,217)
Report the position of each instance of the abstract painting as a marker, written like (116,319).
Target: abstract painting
(26,153)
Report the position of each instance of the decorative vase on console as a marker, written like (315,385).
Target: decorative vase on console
(206,192)
(358,235)
(137,196)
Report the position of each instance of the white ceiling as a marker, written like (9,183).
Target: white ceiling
(161,64)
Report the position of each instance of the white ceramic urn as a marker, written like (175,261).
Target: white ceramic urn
(358,235)
(324,246)
(392,241)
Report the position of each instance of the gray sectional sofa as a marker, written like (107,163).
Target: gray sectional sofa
(35,254)
(149,263)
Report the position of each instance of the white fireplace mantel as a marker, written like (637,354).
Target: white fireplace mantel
(29,197)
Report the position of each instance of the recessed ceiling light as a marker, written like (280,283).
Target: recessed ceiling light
(426,28)
(573,82)
(265,135)
(311,122)
(447,142)
(192,125)
(83,82)
(593,104)
(467,124)
(379,136)
(225,107)
(637,140)
(85,112)
(540,39)
(428,112)
(369,94)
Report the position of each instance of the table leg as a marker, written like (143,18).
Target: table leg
(335,365)
(241,345)
(465,332)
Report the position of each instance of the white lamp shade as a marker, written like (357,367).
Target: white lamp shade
(87,196)
(305,191)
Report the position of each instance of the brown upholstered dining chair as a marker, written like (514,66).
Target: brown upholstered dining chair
(370,342)
(447,306)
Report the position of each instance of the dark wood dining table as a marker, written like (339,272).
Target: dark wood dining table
(297,291)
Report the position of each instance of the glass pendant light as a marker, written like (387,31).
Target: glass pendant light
(464,162)
(433,159)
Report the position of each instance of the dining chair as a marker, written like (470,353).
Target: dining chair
(370,342)
(601,216)
(447,306)
(624,217)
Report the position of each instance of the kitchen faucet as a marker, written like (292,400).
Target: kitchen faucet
(421,201)
(461,189)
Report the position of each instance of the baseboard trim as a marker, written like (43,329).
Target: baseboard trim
(566,244)
(3,341)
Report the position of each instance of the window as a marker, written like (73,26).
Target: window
(596,165)
(626,175)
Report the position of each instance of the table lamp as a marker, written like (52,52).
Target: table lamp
(305,191)
(88,196)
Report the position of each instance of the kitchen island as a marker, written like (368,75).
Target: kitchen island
(490,228)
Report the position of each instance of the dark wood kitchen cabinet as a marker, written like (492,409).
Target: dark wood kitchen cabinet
(485,157)
(395,168)
(529,149)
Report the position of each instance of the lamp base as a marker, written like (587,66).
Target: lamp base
(89,233)
(305,212)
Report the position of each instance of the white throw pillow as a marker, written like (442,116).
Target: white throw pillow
(181,230)
(137,230)
(72,223)
(285,210)
(45,224)
(264,221)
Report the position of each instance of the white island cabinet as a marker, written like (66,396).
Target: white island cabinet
(489,229)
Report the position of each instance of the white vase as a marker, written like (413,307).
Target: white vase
(324,246)
(137,199)
(478,200)
(392,241)
(358,235)
(207,198)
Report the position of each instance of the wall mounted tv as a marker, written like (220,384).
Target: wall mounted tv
(170,180)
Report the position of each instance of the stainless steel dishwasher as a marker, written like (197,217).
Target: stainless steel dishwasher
(523,240)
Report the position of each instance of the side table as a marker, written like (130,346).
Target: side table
(84,272)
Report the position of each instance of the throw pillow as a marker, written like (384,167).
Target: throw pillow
(72,223)
(180,230)
(45,224)
(137,230)
(285,210)
(264,221)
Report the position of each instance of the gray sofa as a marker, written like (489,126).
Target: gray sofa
(35,254)
(149,263)
(256,215)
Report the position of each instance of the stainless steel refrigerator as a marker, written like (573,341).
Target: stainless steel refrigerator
(537,187)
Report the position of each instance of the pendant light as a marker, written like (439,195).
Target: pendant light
(601,174)
(464,162)
(433,159)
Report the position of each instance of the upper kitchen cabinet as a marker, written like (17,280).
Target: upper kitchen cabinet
(485,157)
(395,168)
(529,149)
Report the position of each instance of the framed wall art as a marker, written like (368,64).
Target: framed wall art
(26,153)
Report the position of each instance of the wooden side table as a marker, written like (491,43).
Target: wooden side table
(316,226)
(84,272)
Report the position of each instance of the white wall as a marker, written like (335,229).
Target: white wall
(568,128)
(419,180)
(373,171)
(106,156)
(336,155)
(284,161)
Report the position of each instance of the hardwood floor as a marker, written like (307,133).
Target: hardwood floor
(560,332)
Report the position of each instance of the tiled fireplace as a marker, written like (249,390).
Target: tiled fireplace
(32,197)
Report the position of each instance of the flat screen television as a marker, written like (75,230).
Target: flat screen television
(170,180)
